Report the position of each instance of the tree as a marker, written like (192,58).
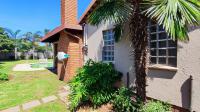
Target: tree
(24,45)
(48,45)
(174,15)
(6,44)
(34,38)
(14,35)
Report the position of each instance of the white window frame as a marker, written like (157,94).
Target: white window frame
(104,45)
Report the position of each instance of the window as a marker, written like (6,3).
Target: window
(108,49)
(163,50)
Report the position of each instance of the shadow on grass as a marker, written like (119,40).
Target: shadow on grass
(52,69)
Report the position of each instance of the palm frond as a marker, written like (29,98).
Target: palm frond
(175,15)
(12,34)
(9,32)
(118,31)
(117,11)
(17,32)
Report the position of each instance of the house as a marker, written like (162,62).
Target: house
(174,66)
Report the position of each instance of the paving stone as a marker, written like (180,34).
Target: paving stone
(64,94)
(66,87)
(49,99)
(64,99)
(12,109)
(31,104)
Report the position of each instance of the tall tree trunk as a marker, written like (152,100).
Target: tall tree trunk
(15,53)
(15,48)
(140,43)
(33,52)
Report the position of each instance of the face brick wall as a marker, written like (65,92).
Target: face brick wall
(69,12)
(73,47)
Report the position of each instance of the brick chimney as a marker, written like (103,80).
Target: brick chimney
(69,12)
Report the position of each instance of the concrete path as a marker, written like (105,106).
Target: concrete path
(26,106)
(26,67)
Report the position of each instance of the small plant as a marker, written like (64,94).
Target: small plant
(3,76)
(156,106)
(93,83)
(123,102)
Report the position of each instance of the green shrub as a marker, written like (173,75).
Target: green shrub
(156,106)
(94,83)
(3,76)
(122,101)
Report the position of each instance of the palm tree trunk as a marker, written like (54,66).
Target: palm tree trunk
(140,43)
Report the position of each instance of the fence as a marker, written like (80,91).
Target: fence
(7,55)
(26,55)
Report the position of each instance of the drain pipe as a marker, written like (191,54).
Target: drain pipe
(191,93)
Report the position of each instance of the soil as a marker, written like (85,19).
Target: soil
(103,108)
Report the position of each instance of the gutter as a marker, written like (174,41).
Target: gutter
(72,35)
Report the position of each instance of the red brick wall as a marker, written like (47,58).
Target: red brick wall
(73,47)
(69,12)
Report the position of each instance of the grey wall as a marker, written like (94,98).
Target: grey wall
(174,86)
(166,85)
(122,54)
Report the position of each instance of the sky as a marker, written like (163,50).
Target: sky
(33,15)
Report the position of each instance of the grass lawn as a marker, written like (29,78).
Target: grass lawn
(56,106)
(26,86)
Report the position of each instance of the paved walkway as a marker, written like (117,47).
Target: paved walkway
(26,106)
(25,67)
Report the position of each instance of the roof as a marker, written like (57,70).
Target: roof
(59,29)
(90,8)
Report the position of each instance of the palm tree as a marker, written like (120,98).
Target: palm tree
(47,44)
(173,15)
(14,35)
(34,38)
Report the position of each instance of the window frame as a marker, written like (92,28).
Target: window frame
(167,57)
(108,61)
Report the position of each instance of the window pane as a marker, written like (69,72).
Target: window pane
(162,61)
(106,43)
(153,53)
(105,48)
(161,28)
(153,45)
(162,44)
(110,37)
(113,48)
(112,42)
(172,62)
(109,47)
(153,28)
(162,52)
(153,23)
(172,43)
(172,52)
(105,37)
(104,53)
(153,37)
(163,35)
(153,60)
